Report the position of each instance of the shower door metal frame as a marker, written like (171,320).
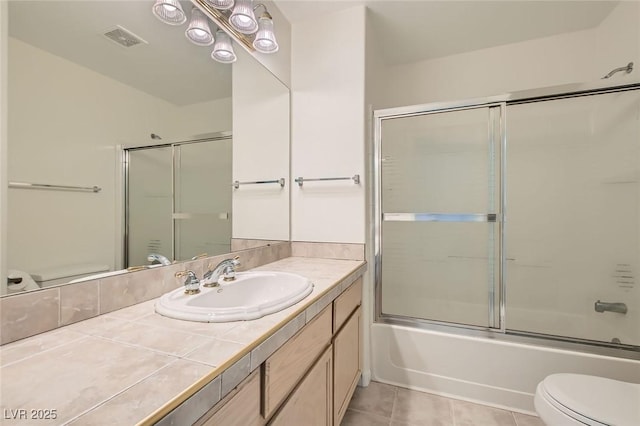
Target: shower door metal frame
(502,333)
(422,110)
(125,158)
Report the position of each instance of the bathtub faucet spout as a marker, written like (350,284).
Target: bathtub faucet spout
(618,307)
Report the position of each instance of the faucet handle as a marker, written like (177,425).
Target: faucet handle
(181,274)
(229,272)
(191,282)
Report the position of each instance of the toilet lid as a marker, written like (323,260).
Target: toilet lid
(602,400)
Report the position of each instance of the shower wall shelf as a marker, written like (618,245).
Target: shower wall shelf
(280,181)
(301,180)
(25,185)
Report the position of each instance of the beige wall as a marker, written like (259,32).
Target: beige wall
(576,57)
(562,59)
(328,77)
(618,40)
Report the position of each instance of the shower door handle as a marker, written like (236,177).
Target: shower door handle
(441,217)
(618,307)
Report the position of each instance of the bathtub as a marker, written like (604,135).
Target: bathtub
(484,370)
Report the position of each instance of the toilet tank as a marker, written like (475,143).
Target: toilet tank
(63,274)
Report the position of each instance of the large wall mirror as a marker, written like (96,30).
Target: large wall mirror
(97,88)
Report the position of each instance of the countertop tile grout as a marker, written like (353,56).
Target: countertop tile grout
(101,403)
(26,358)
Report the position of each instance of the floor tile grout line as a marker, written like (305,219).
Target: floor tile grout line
(452,412)
(369,414)
(515,419)
(393,406)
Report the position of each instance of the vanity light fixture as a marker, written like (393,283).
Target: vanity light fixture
(221,4)
(169,11)
(222,49)
(242,18)
(241,24)
(265,40)
(199,32)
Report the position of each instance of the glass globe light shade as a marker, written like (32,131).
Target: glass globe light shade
(265,40)
(221,4)
(199,32)
(169,11)
(222,49)
(242,18)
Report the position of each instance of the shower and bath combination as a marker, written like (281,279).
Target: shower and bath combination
(450,254)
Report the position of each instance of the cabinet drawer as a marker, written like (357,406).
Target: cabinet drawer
(287,365)
(346,303)
(310,403)
(240,408)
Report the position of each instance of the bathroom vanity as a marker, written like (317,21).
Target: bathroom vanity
(308,380)
(133,366)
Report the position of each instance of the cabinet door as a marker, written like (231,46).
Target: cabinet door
(240,408)
(347,347)
(288,365)
(310,404)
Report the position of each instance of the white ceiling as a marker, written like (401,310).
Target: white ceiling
(168,67)
(408,31)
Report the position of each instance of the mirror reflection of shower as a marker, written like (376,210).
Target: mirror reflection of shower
(170,209)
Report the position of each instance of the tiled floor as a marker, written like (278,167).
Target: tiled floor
(385,405)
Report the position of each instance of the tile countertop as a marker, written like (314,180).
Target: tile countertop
(133,366)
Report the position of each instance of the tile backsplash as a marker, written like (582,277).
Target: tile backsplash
(26,314)
(343,251)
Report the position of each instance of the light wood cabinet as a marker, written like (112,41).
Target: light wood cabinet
(240,408)
(284,369)
(309,380)
(310,403)
(347,355)
(346,303)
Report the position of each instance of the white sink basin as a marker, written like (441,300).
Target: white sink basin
(251,295)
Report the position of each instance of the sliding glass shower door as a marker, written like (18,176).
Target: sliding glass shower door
(439,187)
(573,235)
(520,217)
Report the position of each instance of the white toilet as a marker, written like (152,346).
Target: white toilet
(578,399)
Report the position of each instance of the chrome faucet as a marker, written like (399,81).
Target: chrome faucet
(191,282)
(158,258)
(618,307)
(225,270)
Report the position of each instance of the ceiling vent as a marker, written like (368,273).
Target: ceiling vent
(123,37)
